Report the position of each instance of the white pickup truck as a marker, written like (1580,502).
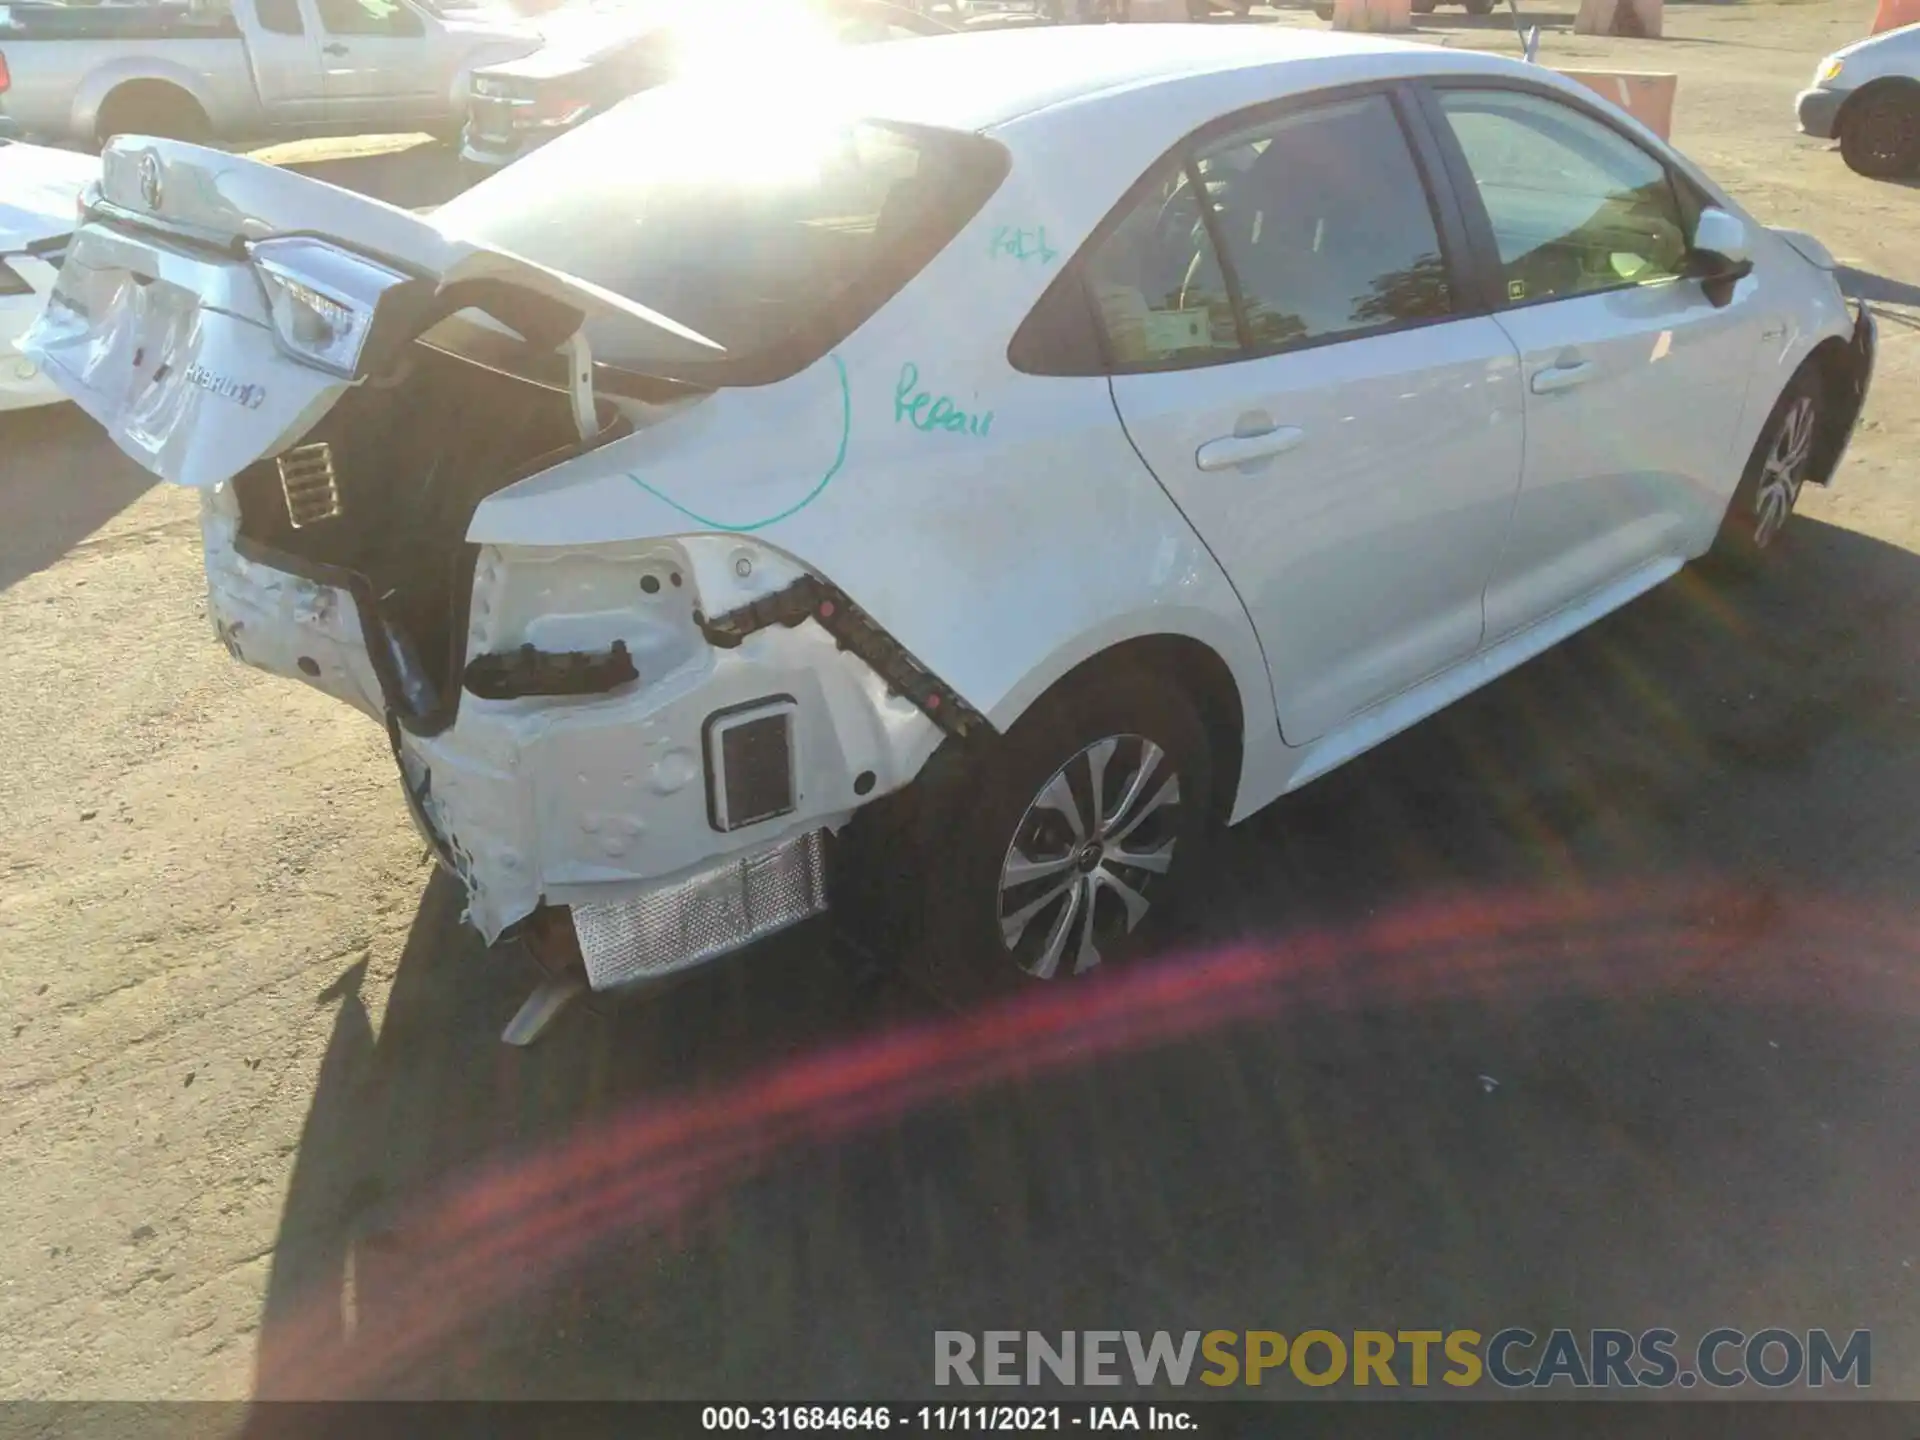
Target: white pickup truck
(249,69)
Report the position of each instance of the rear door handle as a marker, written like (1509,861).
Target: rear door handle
(336,48)
(1231,450)
(1561,377)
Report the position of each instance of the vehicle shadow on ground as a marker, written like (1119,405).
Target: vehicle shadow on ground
(1591,1002)
(59,483)
(1865,285)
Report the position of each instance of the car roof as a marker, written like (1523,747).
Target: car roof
(985,79)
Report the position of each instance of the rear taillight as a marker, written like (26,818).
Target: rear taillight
(5,78)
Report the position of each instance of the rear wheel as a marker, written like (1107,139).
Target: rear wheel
(1065,845)
(1479,7)
(1423,7)
(1880,133)
(1769,489)
(151,108)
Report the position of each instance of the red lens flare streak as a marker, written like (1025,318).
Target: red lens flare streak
(497,1232)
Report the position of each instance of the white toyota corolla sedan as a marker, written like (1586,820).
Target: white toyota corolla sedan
(950,490)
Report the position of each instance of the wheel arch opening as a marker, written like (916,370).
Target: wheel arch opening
(1202,676)
(129,107)
(1872,91)
(1832,362)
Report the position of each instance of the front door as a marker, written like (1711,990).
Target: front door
(378,65)
(1635,379)
(285,53)
(1291,363)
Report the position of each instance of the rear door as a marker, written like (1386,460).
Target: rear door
(377,63)
(1635,378)
(1299,364)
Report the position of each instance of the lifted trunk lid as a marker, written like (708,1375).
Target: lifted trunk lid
(160,325)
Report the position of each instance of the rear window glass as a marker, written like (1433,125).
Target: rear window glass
(770,236)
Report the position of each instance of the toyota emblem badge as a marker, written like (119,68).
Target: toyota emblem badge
(150,190)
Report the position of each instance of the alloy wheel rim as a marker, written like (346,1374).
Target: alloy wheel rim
(1783,472)
(1086,855)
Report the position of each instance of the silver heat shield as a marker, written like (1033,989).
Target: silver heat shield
(705,915)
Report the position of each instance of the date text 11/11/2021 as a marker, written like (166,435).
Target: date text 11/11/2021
(947,1419)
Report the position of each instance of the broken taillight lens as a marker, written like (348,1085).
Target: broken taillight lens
(322,298)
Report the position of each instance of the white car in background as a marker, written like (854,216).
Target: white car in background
(1867,96)
(982,469)
(39,195)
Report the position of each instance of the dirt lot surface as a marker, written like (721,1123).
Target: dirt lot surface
(1595,1002)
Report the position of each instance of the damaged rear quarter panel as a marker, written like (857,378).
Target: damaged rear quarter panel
(1001,552)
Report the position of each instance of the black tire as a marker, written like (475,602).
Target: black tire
(1880,133)
(964,840)
(1325,12)
(151,108)
(1423,7)
(1479,7)
(1763,501)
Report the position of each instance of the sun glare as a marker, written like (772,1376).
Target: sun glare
(751,39)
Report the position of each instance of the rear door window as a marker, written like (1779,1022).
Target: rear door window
(1155,282)
(1311,227)
(1326,225)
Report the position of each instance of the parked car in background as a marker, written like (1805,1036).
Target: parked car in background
(1324,8)
(1081,12)
(1867,96)
(254,69)
(39,194)
(518,105)
(953,483)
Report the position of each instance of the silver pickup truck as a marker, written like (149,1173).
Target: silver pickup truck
(249,69)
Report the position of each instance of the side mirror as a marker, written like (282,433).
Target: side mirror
(1722,253)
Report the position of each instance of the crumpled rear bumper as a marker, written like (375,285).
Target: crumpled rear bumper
(607,802)
(612,801)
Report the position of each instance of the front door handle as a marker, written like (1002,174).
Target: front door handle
(1231,450)
(336,48)
(1561,377)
